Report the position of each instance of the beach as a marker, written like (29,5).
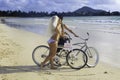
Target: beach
(16,62)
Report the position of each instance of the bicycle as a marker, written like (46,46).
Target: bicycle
(91,52)
(75,58)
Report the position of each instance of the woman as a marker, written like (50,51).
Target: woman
(58,31)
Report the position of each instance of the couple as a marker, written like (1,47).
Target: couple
(57,31)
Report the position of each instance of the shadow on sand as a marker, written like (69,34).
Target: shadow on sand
(17,69)
(31,68)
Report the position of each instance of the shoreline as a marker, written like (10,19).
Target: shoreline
(16,63)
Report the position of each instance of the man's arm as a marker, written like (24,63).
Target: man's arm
(70,31)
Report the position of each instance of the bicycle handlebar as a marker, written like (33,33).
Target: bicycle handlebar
(85,39)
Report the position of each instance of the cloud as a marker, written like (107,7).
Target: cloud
(41,5)
(101,2)
(57,5)
(12,4)
(105,4)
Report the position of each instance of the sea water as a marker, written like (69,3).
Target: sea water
(104,32)
(38,25)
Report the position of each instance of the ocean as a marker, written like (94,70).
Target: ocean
(38,25)
(104,32)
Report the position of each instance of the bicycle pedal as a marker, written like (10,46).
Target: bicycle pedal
(72,63)
(91,56)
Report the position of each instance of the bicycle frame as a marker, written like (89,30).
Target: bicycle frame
(84,46)
(63,48)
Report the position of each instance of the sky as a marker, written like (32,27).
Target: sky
(58,5)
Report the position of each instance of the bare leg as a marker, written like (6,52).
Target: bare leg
(53,48)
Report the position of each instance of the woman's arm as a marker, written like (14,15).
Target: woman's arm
(57,30)
(70,30)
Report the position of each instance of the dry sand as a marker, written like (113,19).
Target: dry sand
(16,63)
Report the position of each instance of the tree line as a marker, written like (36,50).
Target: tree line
(19,13)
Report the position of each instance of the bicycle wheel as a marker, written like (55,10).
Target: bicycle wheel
(39,54)
(76,59)
(93,57)
(60,58)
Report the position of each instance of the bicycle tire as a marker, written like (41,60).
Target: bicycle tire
(61,58)
(80,58)
(93,57)
(39,54)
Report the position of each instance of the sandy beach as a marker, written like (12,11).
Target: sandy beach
(16,63)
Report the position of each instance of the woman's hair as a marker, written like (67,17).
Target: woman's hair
(54,21)
(52,25)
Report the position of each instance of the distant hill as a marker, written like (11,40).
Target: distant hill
(84,11)
(87,10)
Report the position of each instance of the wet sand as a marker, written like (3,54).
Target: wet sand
(16,63)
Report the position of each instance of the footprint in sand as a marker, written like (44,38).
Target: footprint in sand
(4,77)
(8,48)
